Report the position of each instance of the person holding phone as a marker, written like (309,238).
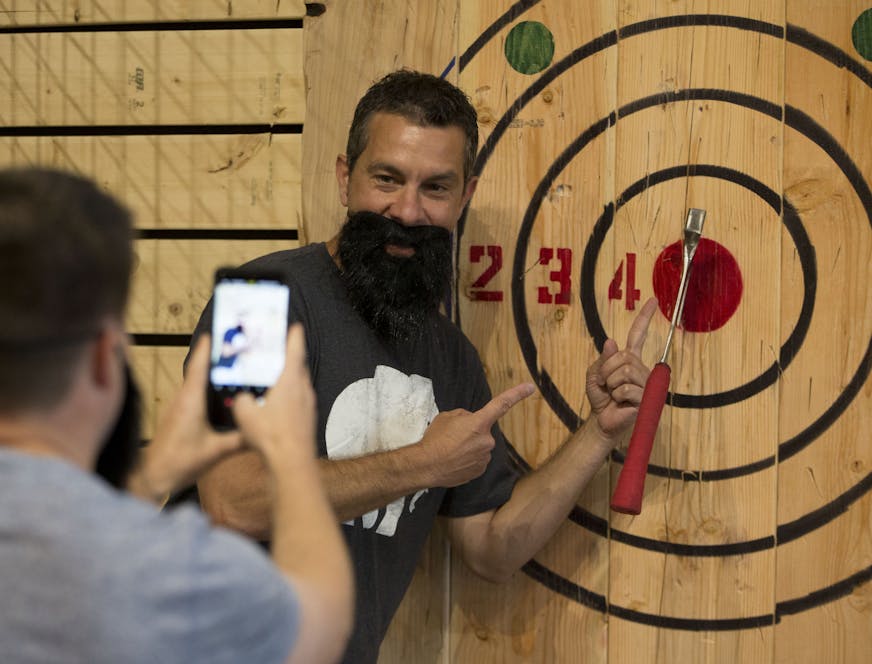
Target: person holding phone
(264,299)
(407,426)
(93,570)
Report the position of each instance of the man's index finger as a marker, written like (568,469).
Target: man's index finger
(503,403)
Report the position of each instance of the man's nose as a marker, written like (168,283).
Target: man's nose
(406,208)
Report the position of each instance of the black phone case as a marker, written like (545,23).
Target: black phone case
(219,399)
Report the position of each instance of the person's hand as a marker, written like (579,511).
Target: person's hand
(281,424)
(615,381)
(459,442)
(184,445)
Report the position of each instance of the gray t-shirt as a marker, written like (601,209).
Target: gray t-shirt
(91,575)
(372,397)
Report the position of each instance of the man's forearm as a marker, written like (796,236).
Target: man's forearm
(236,494)
(539,504)
(308,547)
(358,485)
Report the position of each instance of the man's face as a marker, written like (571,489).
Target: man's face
(411,174)
(405,195)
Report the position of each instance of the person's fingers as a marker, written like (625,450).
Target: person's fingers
(191,397)
(224,442)
(627,393)
(639,329)
(610,347)
(502,404)
(295,354)
(244,405)
(198,366)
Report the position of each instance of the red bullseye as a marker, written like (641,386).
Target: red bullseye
(713,291)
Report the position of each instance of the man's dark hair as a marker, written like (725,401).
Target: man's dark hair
(65,262)
(424,99)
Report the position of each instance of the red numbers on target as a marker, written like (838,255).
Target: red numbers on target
(562,276)
(492,258)
(495,254)
(616,290)
(559,289)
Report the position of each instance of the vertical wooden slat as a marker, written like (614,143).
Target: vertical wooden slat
(349,46)
(830,107)
(524,619)
(683,132)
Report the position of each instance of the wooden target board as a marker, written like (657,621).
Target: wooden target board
(601,124)
(601,128)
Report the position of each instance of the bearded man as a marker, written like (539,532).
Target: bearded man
(406,423)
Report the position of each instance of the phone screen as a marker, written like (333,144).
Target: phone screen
(249,333)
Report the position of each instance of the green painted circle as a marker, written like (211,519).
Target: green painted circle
(529,47)
(861,34)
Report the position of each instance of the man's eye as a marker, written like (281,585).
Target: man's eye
(385,179)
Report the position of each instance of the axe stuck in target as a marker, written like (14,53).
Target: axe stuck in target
(627,497)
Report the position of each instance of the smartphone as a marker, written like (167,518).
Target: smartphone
(249,335)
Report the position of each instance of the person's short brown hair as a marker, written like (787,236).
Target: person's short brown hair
(65,262)
(423,99)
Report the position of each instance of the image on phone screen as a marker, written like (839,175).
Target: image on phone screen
(249,327)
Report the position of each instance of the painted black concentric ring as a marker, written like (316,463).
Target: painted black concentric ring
(805,253)
(796,120)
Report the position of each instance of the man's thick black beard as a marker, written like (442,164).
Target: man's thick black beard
(395,295)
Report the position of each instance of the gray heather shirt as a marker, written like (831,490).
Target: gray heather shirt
(91,575)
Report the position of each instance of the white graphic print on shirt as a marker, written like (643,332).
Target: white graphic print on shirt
(385,412)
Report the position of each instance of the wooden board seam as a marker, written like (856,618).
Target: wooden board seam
(150,129)
(163,26)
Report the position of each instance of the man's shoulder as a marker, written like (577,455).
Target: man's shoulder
(141,535)
(291,259)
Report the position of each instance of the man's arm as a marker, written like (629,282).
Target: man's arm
(184,445)
(235,494)
(307,545)
(455,449)
(497,543)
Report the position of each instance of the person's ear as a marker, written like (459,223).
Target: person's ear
(107,355)
(469,190)
(342,176)
(103,358)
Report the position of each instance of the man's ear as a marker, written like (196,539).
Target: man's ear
(469,190)
(342,175)
(104,356)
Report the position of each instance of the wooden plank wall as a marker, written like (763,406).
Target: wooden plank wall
(190,112)
(219,122)
(755,539)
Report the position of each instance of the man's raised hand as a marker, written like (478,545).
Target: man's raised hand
(185,445)
(282,422)
(615,381)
